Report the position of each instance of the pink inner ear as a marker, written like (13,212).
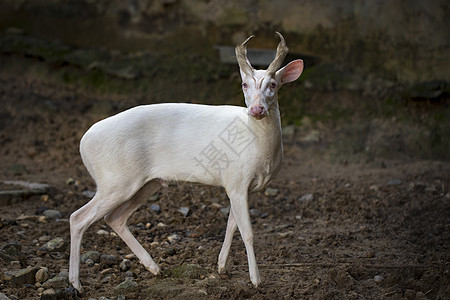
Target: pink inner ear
(292,71)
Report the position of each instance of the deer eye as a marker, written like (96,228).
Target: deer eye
(273,85)
(244,85)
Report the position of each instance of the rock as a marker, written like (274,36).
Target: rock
(54,244)
(306,198)
(15,264)
(378,278)
(394,181)
(125,265)
(126,286)
(41,275)
(56,282)
(263,215)
(88,193)
(24,276)
(89,262)
(102,232)
(173,238)
(285,234)
(52,214)
(44,238)
(156,208)
(12,252)
(254,212)
(271,192)
(185,211)
(225,210)
(92,255)
(108,259)
(3,297)
(121,297)
(191,271)
(49,294)
(64,273)
(16,170)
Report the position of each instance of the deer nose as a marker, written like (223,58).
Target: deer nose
(257,111)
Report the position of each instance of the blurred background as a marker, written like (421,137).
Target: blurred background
(375,86)
(360,209)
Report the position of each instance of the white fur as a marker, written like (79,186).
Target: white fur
(131,153)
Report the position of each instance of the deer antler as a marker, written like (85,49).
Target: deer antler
(282,51)
(241,55)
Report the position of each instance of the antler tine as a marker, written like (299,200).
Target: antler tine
(282,51)
(241,55)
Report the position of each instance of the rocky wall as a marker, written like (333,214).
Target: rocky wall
(408,41)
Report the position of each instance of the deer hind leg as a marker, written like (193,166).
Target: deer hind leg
(80,220)
(223,256)
(117,219)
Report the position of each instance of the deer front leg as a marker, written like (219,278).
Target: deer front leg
(239,208)
(231,228)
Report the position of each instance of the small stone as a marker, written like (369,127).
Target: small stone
(41,275)
(129,274)
(148,225)
(107,271)
(102,232)
(108,259)
(161,224)
(121,297)
(56,282)
(49,294)
(185,211)
(374,188)
(42,219)
(3,297)
(306,198)
(54,244)
(378,278)
(126,286)
(11,251)
(125,265)
(225,210)
(45,198)
(89,262)
(285,234)
(24,276)
(88,193)
(215,206)
(173,238)
(64,273)
(254,212)
(264,215)
(70,181)
(130,256)
(271,192)
(15,264)
(92,255)
(52,214)
(156,208)
(44,238)
(394,181)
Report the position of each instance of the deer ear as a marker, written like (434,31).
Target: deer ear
(290,72)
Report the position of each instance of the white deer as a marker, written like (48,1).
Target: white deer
(130,155)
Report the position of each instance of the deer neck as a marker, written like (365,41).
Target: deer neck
(268,129)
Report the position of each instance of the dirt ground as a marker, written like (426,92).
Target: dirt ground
(375,230)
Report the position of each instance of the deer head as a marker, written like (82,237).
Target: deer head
(261,87)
